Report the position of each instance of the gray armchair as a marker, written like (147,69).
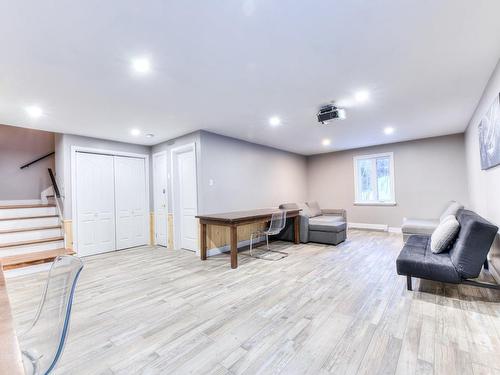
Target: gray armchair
(316,224)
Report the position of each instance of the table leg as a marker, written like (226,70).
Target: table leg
(234,247)
(296,229)
(203,237)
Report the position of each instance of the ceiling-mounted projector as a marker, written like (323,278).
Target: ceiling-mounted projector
(330,112)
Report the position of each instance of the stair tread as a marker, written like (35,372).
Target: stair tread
(12,261)
(29,229)
(27,217)
(27,206)
(32,242)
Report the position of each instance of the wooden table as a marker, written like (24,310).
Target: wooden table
(234,219)
(10,356)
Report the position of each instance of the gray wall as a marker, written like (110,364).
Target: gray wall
(428,173)
(484,186)
(248,176)
(19,146)
(64,142)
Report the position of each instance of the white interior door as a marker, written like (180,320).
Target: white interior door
(131,202)
(95,204)
(186,201)
(160,197)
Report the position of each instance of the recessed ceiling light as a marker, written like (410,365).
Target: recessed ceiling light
(389,130)
(135,132)
(34,111)
(141,65)
(150,135)
(275,121)
(362,96)
(326,142)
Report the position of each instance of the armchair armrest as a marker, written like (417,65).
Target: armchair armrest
(335,212)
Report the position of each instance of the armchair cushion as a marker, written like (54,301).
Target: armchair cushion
(452,209)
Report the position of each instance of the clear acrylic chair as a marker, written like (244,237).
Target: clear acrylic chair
(278,221)
(43,342)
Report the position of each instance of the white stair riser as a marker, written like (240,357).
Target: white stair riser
(30,235)
(29,223)
(16,250)
(26,212)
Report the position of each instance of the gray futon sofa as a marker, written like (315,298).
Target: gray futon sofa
(462,262)
(326,226)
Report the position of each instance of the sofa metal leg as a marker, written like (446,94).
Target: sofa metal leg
(486,266)
(408,283)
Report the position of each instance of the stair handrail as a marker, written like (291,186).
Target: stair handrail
(37,160)
(58,199)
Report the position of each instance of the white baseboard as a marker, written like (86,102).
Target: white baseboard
(225,249)
(19,201)
(377,227)
(394,230)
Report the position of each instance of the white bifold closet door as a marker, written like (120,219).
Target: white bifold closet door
(95,197)
(130,202)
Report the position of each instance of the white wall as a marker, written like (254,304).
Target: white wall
(484,186)
(239,175)
(19,146)
(428,173)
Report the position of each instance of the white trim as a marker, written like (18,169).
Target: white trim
(375,203)
(166,187)
(20,202)
(357,201)
(89,150)
(377,227)
(175,151)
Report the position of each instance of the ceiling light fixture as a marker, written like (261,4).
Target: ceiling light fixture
(34,111)
(135,132)
(326,142)
(150,135)
(141,65)
(389,130)
(275,121)
(362,96)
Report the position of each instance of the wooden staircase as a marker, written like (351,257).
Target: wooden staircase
(30,234)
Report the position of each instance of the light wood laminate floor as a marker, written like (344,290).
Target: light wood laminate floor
(321,310)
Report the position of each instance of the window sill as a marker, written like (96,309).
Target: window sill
(375,203)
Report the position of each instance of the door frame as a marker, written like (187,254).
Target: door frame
(90,150)
(173,159)
(164,153)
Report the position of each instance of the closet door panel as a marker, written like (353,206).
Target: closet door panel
(95,209)
(131,202)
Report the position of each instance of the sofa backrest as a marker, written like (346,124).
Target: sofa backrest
(474,240)
(289,206)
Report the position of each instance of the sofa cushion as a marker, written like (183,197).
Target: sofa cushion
(452,209)
(474,240)
(326,219)
(306,211)
(444,235)
(314,209)
(335,227)
(416,259)
(419,226)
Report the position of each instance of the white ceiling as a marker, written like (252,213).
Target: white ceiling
(227,66)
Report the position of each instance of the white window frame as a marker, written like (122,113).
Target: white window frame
(357,199)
